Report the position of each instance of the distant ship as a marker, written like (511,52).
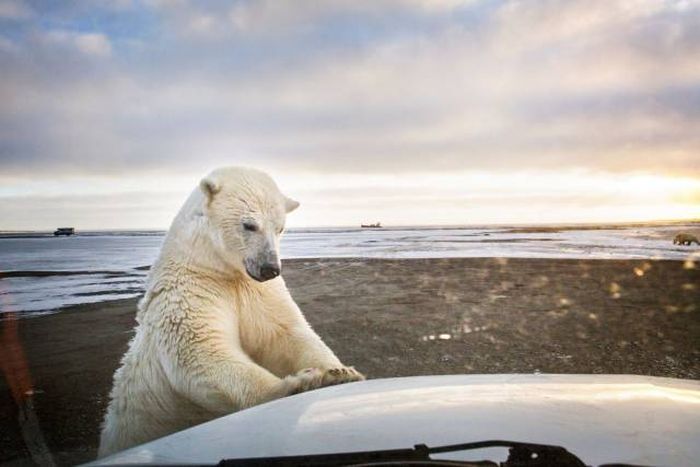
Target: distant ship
(64,231)
(378,225)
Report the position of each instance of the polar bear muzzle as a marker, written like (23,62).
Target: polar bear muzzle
(264,270)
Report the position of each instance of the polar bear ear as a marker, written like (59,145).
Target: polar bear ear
(209,187)
(290,205)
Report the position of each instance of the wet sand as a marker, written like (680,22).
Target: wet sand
(399,318)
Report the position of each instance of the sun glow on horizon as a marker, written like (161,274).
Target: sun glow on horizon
(461,198)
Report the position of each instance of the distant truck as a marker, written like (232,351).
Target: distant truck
(64,231)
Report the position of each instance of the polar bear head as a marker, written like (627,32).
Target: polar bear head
(245,214)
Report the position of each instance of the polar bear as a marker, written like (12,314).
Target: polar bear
(217,331)
(685,239)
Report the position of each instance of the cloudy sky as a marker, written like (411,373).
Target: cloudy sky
(405,111)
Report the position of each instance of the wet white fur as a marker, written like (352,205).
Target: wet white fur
(210,340)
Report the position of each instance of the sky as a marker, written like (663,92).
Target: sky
(401,111)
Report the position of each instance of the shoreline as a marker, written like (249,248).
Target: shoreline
(43,275)
(692,261)
(564,225)
(399,317)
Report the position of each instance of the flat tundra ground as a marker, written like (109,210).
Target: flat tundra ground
(400,318)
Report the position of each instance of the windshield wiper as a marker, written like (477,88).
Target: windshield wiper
(519,455)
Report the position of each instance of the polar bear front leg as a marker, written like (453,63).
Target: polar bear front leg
(295,346)
(239,383)
(313,352)
(303,349)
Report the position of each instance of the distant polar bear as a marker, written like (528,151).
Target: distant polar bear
(685,239)
(217,329)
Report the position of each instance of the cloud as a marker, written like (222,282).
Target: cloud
(93,44)
(14,10)
(285,17)
(352,86)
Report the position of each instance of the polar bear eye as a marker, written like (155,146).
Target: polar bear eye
(250,227)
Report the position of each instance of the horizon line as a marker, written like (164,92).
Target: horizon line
(394,226)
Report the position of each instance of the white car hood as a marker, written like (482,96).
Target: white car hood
(599,418)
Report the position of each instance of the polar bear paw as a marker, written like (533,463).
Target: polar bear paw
(346,374)
(314,378)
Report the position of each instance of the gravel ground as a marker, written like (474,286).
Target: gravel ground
(391,318)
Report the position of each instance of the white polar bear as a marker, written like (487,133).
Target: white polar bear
(217,329)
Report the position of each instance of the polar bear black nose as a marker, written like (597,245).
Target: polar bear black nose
(269,271)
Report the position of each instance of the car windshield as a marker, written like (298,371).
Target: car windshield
(208,209)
